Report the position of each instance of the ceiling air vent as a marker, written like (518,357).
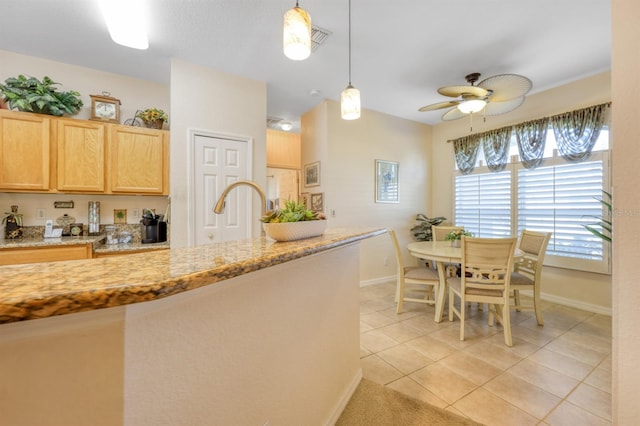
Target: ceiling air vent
(274,122)
(318,36)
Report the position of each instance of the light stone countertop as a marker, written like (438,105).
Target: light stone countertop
(42,290)
(49,242)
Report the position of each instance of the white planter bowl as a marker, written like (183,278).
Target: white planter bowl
(291,231)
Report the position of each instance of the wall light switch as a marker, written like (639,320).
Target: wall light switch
(41,214)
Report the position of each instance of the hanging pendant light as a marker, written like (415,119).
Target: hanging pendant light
(350,97)
(297,34)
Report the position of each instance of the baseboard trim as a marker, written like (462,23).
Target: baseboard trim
(346,397)
(597,309)
(364,283)
(572,303)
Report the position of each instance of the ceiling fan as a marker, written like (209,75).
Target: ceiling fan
(495,95)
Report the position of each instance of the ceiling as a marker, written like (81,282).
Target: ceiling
(402,50)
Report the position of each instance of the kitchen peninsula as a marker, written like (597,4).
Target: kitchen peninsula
(243,332)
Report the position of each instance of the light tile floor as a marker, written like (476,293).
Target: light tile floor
(556,374)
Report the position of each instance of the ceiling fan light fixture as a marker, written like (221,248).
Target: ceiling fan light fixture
(472,106)
(350,103)
(296,36)
(126,22)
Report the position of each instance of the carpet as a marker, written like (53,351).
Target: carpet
(373,404)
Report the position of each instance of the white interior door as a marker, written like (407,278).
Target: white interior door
(218,162)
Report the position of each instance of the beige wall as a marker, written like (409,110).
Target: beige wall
(133,93)
(626,181)
(347,151)
(213,101)
(580,289)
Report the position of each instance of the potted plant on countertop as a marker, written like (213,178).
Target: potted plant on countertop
(294,222)
(455,236)
(153,118)
(32,95)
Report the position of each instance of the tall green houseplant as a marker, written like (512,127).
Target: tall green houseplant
(603,228)
(32,95)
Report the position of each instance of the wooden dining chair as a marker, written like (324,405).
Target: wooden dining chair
(413,279)
(528,270)
(439,232)
(486,274)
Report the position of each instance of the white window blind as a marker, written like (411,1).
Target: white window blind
(561,198)
(483,203)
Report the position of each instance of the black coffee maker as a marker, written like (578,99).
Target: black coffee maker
(153,228)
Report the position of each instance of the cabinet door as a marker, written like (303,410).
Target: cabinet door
(25,141)
(139,160)
(81,156)
(283,149)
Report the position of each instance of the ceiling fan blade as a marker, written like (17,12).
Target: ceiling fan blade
(455,91)
(453,114)
(439,105)
(506,86)
(497,108)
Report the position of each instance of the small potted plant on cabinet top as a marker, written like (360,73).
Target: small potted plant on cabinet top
(153,118)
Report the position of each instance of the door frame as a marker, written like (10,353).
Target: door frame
(191,138)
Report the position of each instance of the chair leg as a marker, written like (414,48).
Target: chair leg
(536,307)
(451,300)
(516,299)
(491,309)
(463,310)
(399,295)
(506,324)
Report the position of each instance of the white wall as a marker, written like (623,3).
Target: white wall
(133,93)
(626,181)
(347,151)
(580,289)
(207,99)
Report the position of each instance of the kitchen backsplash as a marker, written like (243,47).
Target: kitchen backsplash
(133,229)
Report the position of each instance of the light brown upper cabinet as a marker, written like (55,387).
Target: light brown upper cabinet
(283,149)
(81,155)
(40,153)
(139,160)
(25,152)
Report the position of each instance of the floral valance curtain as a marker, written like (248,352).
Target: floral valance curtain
(496,148)
(466,153)
(531,137)
(577,131)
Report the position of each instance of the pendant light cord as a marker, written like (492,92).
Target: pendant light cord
(349,42)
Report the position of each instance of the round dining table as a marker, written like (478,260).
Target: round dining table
(441,252)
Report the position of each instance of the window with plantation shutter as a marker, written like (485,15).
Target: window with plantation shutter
(483,203)
(558,197)
(561,198)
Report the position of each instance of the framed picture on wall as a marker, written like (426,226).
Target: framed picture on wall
(386,177)
(312,174)
(317,202)
(305,200)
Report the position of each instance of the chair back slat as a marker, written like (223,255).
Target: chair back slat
(487,262)
(438,232)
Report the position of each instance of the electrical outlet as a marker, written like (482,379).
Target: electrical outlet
(135,213)
(41,214)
